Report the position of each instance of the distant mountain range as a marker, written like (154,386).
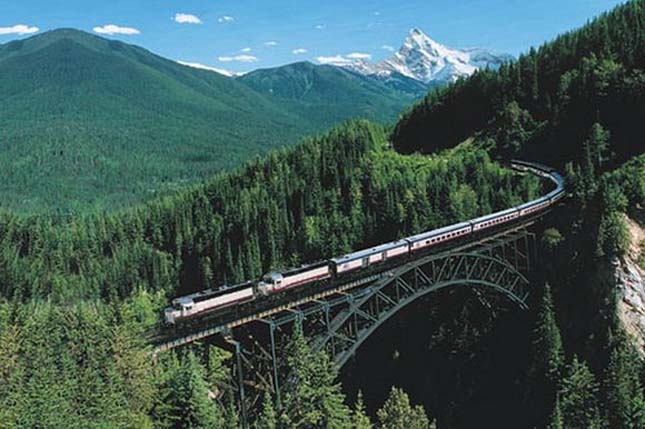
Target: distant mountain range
(430,62)
(421,63)
(87,121)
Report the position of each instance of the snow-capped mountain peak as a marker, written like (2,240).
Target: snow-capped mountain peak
(428,61)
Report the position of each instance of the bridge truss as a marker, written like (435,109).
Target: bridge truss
(341,321)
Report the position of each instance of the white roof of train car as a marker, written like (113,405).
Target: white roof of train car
(367,252)
(494,215)
(439,231)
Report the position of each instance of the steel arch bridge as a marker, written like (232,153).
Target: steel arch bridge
(340,320)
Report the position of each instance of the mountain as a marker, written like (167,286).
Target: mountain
(328,93)
(88,122)
(427,61)
(549,103)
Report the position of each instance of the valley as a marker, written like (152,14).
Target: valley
(193,247)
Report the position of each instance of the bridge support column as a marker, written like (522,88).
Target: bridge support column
(240,382)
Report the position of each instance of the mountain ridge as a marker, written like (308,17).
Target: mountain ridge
(423,59)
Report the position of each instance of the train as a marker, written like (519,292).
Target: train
(273,283)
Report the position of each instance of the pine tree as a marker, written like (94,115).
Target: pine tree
(267,418)
(314,398)
(398,413)
(624,400)
(579,402)
(360,420)
(546,358)
(188,396)
(232,419)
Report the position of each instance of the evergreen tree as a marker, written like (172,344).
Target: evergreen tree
(578,396)
(267,418)
(190,405)
(360,420)
(596,147)
(314,398)
(398,413)
(624,399)
(546,357)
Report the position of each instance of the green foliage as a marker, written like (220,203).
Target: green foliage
(578,397)
(313,399)
(512,128)
(398,413)
(91,124)
(547,357)
(624,396)
(360,420)
(551,239)
(268,417)
(630,178)
(594,233)
(328,94)
(217,369)
(547,352)
(613,239)
(186,403)
(540,106)
(329,195)
(73,368)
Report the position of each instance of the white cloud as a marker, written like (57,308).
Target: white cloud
(186,18)
(271,43)
(299,51)
(320,26)
(377,13)
(225,19)
(337,60)
(239,58)
(19,29)
(205,67)
(388,48)
(358,56)
(245,50)
(115,29)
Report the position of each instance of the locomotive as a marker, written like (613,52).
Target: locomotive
(211,300)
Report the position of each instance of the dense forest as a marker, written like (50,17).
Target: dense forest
(328,195)
(80,292)
(319,199)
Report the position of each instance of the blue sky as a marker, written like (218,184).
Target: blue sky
(242,35)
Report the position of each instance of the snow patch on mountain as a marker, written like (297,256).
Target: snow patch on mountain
(423,59)
(209,68)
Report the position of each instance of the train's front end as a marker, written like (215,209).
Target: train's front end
(181,307)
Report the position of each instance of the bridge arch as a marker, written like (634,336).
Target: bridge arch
(351,327)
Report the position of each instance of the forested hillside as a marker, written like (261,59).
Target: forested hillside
(89,123)
(330,194)
(326,93)
(576,103)
(542,106)
(319,199)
